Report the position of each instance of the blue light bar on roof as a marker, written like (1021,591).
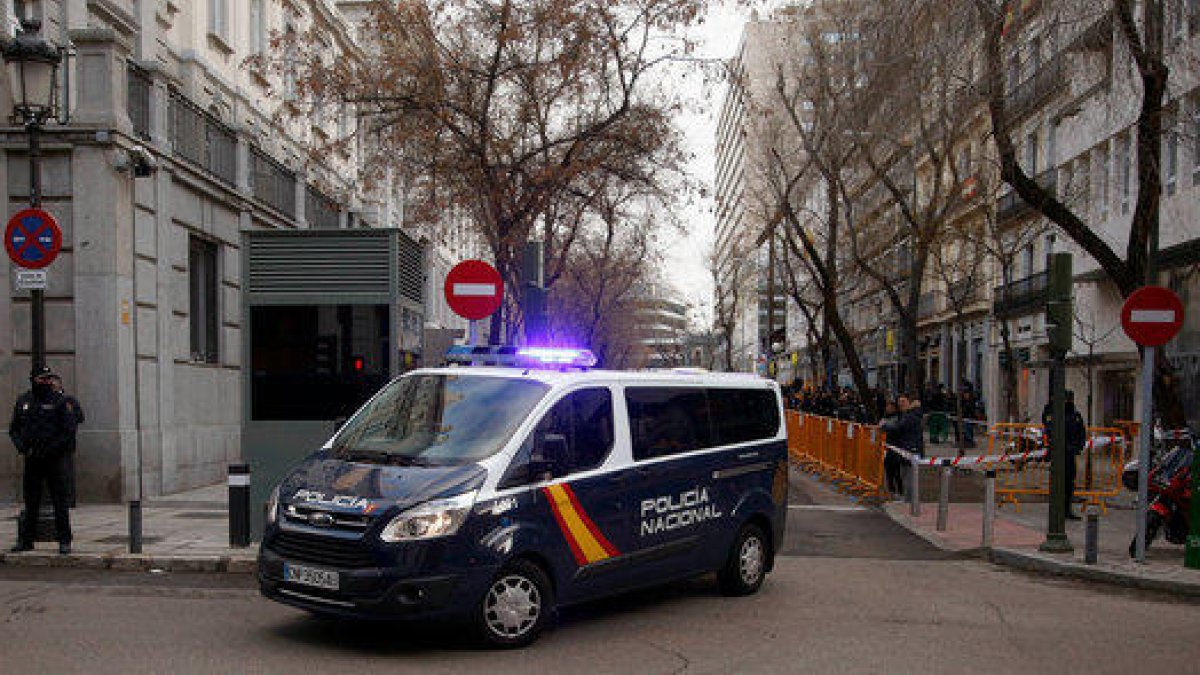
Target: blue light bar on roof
(524,357)
(560,356)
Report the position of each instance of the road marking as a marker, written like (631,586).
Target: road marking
(1152,316)
(475,290)
(827,507)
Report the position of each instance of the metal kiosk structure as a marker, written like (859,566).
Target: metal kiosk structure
(329,316)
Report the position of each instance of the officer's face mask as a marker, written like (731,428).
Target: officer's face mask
(42,388)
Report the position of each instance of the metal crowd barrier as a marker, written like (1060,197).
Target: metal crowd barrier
(847,454)
(1097,469)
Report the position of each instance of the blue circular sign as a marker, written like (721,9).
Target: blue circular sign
(33,238)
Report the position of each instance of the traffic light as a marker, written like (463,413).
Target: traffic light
(1059,317)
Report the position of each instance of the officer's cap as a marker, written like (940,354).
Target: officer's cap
(43,371)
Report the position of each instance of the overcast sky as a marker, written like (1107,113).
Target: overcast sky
(686,264)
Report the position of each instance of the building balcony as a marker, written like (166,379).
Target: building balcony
(1022,296)
(1011,206)
(1029,95)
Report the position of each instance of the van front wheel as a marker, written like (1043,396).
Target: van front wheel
(746,566)
(516,606)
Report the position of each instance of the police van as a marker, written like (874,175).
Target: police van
(497,493)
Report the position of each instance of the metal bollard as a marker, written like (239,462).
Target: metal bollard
(1091,536)
(989,507)
(135,526)
(239,505)
(944,497)
(914,489)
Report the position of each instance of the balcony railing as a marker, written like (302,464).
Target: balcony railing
(1028,95)
(138,101)
(1021,296)
(320,211)
(201,139)
(272,183)
(1011,205)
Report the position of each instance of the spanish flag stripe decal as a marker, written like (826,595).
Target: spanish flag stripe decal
(562,525)
(591,526)
(587,545)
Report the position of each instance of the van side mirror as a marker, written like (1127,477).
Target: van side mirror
(546,461)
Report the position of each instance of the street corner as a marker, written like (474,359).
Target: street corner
(1176,581)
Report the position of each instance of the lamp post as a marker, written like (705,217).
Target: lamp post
(33,75)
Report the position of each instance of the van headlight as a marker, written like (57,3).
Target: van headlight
(273,506)
(438,518)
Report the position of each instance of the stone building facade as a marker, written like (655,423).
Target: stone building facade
(144,309)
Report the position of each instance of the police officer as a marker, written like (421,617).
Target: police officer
(72,403)
(1076,440)
(43,430)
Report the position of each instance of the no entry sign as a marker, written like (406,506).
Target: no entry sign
(1152,315)
(474,289)
(33,238)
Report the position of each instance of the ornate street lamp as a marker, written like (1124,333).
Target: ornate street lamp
(33,75)
(33,65)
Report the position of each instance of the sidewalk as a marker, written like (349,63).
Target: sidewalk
(1018,534)
(184,532)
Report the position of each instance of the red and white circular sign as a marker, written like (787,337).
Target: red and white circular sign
(474,289)
(1152,315)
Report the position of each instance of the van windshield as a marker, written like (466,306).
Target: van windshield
(438,420)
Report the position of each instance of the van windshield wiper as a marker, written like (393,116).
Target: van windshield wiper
(381,457)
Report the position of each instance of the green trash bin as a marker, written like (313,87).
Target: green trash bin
(938,427)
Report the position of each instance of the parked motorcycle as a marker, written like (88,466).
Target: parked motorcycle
(1169,494)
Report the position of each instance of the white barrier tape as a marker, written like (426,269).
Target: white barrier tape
(968,460)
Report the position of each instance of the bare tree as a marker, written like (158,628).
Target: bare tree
(1139,25)
(514,112)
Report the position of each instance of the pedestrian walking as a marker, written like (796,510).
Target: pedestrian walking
(43,430)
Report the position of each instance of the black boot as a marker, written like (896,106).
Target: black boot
(21,547)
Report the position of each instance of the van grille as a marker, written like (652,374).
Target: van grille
(331,551)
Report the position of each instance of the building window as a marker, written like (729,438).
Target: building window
(258,27)
(203,311)
(1170,153)
(1196,142)
(218,18)
(1102,181)
(1125,166)
(1031,153)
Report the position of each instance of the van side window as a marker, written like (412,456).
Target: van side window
(743,415)
(668,420)
(584,419)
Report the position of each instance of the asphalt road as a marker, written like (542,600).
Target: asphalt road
(850,594)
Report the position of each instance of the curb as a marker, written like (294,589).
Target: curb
(128,562)
(1032,562)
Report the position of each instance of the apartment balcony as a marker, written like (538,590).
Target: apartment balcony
(1023,296)
(963,293)
(1011,206)
(1029,95)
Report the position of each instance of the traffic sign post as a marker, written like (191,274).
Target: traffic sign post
(32,238)
(1151,317)
(474,291)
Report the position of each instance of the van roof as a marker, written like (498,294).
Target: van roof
(554,377)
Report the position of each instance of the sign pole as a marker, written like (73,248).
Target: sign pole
(1144,451)
(473,332)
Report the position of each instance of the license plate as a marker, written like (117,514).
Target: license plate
(310,576)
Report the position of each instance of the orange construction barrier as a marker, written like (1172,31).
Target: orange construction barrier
(848,454)
(1097,469)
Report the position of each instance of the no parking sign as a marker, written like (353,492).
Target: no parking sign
(33,238)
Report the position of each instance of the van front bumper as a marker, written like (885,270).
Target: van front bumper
(378,593)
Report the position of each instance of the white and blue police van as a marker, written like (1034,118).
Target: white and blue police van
(495,494)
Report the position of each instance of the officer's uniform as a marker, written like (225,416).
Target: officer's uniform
(43,429)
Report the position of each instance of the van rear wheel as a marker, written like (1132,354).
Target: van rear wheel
(747,564)
(516,606)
